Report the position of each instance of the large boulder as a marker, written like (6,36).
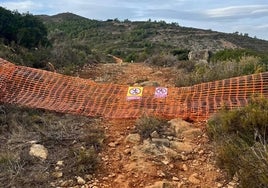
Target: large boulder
(185,130)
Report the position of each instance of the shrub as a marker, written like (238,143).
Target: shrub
(207,72)
(182,54)
(240,138)
(146,125)
(165,60)
(232,54)
(85,160)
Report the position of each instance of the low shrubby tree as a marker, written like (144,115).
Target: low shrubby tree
(240,139)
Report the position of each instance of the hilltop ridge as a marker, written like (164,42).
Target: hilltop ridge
(137,36)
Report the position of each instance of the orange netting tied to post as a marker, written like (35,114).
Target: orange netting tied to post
(52,91)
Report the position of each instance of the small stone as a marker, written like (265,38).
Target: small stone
(53,184)
(184,167)
(133,138)
(32,142)
(127,151)
(57,174)
(38,150)
(67,183)
(166,161)
(193,179)
(160,173)
(117,143)
(154,134)
(219,185)
(57,168)
(112,144)
(201,152)
(80,180)
(60,163)
(106,158)
(180,184)
(175,178)
(184,157)
(232,183)
(112,175)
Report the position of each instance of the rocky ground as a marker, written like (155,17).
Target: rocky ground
(180,156)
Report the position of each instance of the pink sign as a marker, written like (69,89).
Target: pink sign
(161,92)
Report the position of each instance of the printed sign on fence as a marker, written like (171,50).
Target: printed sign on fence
(160,92)
(134,93)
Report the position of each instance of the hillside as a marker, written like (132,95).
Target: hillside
(140,39)
(75,41)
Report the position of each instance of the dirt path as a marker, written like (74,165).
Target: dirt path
(127,169)
(127,164)
(129,74)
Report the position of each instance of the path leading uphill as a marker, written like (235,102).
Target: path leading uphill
(180,157)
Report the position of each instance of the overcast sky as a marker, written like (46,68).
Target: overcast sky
(244,16)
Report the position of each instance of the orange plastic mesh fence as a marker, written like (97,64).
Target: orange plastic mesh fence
(52,91)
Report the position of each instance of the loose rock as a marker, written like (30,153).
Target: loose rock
(38,150)
(193,179)
(57,174)
(133,138)
(80,180)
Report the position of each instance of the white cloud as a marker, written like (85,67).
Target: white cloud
(262,27)
(22,6)
(238,11)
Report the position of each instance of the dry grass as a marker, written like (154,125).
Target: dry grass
(74,140)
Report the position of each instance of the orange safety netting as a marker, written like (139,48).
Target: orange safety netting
(52,91)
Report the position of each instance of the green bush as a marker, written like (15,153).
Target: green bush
(207,72)
(85,160)
(165,60)
(231,54)
(146,125)
(181,54)
(240,138)
(24,29)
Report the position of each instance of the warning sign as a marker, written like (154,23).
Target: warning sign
(134,93)
(161,92)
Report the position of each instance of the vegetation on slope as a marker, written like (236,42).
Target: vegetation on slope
(240,138)
(23,29)
(190,73)
(75,41)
